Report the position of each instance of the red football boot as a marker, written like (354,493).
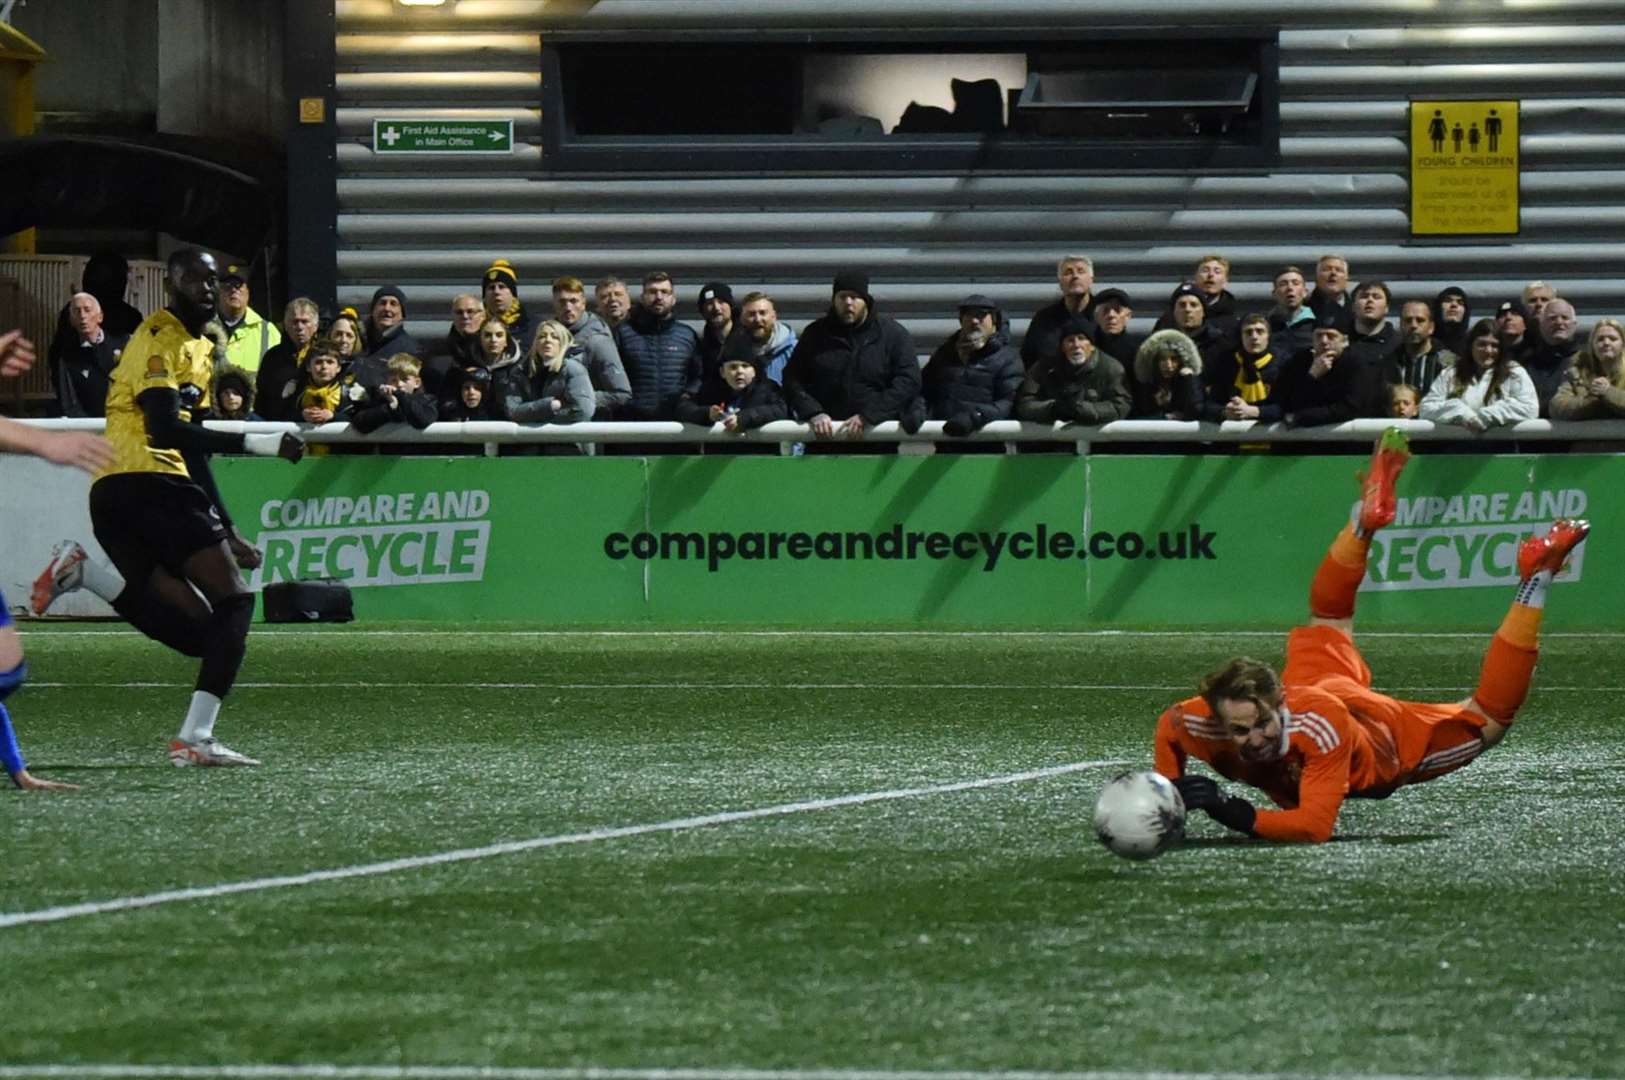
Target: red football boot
(1551,551)
(1378,504)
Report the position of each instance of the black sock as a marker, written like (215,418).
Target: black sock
(226,644)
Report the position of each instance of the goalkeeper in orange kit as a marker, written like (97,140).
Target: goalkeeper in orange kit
(1317,733)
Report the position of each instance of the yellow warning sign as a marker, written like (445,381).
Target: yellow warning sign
(1464,168)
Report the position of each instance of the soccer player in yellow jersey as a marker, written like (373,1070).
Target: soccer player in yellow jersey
(157,512)
(79,449)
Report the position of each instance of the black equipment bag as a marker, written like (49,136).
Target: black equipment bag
(321,600)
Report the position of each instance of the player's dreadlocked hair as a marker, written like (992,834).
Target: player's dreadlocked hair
(1243,679)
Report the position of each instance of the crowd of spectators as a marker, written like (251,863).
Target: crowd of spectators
(1322,351)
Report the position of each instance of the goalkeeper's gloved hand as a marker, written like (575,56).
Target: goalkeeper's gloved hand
(1231,811)
(290,447)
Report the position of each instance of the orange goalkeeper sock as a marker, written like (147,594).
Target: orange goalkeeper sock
(1331,594)
(1503,681)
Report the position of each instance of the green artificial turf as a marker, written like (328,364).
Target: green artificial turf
(1473,926)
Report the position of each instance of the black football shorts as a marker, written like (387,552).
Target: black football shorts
(143,520)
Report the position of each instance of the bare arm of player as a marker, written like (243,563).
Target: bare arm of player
(77,449)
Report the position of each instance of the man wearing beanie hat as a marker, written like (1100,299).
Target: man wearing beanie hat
(386,336)
(973,376)
(1317,387)
(500,288)
(853,368)
(1187,312)
(1078,384)
(738,395)
(716,304)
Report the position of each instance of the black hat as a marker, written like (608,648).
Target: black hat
(1186,288)
(234,275)
(1112,296)
(501,270)
(479,376)
(1452,290)
(1333,319)
(853,281)
(978,302)
(388,290)
(1512,307)
(715,290)
(1078,326)
(739,346)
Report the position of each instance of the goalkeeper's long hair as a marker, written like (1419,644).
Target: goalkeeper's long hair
(1243,679)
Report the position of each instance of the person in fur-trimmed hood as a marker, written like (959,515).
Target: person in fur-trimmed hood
(1167,377)
(232,391)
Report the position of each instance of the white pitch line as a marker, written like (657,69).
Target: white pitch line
(707,686)
(306,631)
(351,685)
(512,847)
(497,1072)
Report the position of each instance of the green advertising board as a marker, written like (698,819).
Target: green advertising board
(1029,541)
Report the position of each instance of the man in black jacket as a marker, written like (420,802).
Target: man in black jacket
(386,335)
(1113,310)
(853,368)
(1076,275)
(82,377)
(973,376)
(1292,321)
(1560,344)
(1372,345)
(1330,298)
(460,348)
(1321,386)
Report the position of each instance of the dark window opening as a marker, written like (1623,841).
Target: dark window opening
(732,102)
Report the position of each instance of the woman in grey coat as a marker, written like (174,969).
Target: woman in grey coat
(561,389)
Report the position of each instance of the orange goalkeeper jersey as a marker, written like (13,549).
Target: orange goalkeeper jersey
(1329,755)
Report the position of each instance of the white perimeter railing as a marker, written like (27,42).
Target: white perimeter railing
(492,434)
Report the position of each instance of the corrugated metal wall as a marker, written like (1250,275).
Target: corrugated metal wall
(1347,69)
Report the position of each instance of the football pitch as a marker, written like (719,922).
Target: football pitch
(507,853)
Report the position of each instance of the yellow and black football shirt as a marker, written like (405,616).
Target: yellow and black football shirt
(162,354)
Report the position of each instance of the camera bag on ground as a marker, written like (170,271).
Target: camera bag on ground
(321,600)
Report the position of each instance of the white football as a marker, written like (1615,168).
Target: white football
(1139,815)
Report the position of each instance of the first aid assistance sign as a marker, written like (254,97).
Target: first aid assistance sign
(1464,168)
(442,136)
